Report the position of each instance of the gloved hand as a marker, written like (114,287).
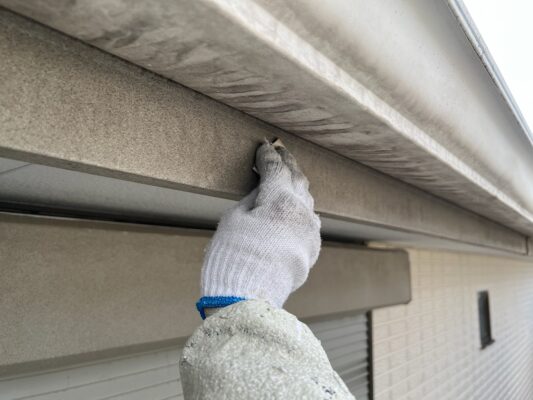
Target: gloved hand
(265,246)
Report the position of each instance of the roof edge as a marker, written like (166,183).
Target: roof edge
(471,31)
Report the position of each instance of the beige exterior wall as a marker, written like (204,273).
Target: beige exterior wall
(430,348)
(107,289)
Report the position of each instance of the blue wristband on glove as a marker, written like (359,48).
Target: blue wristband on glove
(216,302)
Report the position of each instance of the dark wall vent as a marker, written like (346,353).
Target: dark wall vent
(485,332)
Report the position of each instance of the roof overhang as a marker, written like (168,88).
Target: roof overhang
(396,86)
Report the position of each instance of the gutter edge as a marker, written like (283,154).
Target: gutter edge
(471,31)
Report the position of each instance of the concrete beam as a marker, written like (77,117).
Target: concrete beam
(68,105)
(72,290)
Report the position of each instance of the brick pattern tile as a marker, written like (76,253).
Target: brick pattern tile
(430,348)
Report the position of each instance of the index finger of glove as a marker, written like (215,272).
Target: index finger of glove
(270,166)
(275,174)
(299,180)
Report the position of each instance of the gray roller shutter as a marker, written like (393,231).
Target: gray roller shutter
(347,346)
(155,375)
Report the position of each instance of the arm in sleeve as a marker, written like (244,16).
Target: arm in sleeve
(251,350)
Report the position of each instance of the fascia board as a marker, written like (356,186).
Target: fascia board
(239,53)
(80,109)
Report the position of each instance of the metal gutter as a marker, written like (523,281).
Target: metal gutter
(460,10)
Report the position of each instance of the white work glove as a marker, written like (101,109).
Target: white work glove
(265,246)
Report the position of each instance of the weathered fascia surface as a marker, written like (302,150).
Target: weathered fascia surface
(395,85)
(117,135)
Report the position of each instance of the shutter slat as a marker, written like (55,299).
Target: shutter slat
(341,334)
(345,341)
(323,326)
(353,372)
(152,375)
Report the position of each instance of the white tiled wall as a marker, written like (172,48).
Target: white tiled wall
(430,348)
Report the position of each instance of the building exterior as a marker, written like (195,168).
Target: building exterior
(430,348)
(127,128)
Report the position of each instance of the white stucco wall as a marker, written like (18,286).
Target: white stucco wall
(430,348)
